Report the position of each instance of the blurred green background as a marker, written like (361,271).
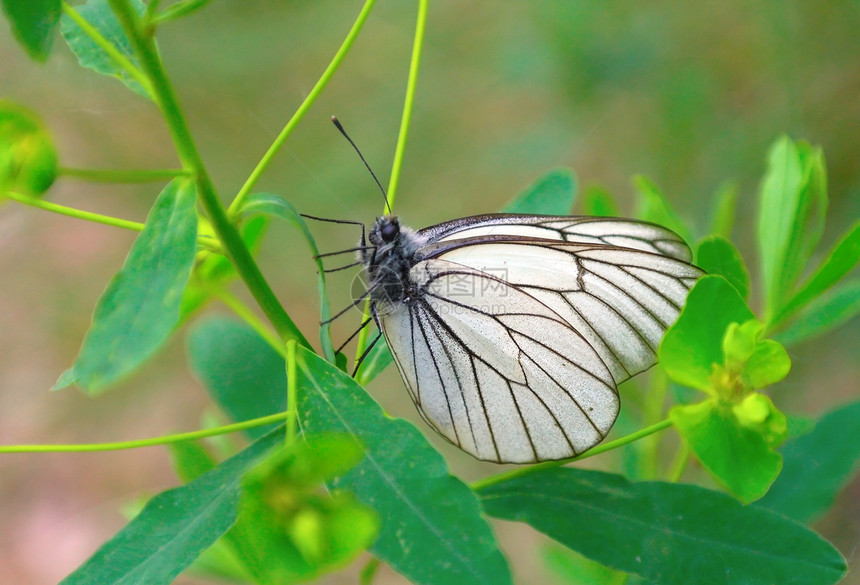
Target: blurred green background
(688,94)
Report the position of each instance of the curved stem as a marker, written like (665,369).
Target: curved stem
(602,448)
(77,213)
(112,52)
(302,110)
(186,148)
(151,442)
(122,176)
(202,241)
(411,84)
(397,164)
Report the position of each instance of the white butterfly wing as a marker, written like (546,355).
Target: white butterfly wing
(620,300)
(610,231)
(495,370)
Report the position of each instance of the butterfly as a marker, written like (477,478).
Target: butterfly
(512,332)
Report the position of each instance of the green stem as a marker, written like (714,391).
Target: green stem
(186,148)
(680,463)
(302,110)
(409,100)
(248,316)
(153,441)
(202,241)
(108,47)
(122,176)
(368,572)
(653,412)
(397,164)
(77,213)
(602,448)
(292,392)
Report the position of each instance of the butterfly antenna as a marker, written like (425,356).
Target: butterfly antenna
(337,124)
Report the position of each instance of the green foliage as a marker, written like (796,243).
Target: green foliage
(792,206)
(432,528)
(817,465)
(33,23)
(174,527)
(109,52)
(140,307)
(599,202)
(654,207)
(28,160)
(357,479)
(552,194)
(666,533)
(717,255)
(244,376)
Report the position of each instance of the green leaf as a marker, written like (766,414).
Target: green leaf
(768,364)
(190,460)
(672,534)
(174,527)
(432,529)
(598,201)
(817,466)
(90,55)
(827,312)
(694,343)
(238,369)
(140,307)
(792,204)
(552,194)
(839,262)
(723,212)
(654,207)
(376,360)
(28,159)
(739,457)
(276,206)
(33,23)
(717,255)
(574,569)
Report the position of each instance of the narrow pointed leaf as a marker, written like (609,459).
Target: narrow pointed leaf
(723,213)
(375,362)
(275,206)
(839,262)
(827,312)
(90,55)
(175,527)
(552,194)
(432,528)
(140,307)
(654,207)
(672,534)
(33,23)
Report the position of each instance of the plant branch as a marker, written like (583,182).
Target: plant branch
(77,213)
(602,448)
(186,148)
(151,442)
(108,48)
(122,176)
(302,110)
(400,149)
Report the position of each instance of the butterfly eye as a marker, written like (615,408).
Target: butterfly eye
(389,232)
